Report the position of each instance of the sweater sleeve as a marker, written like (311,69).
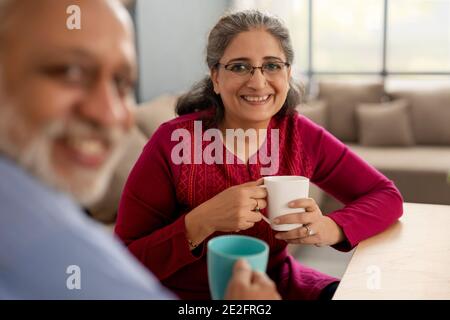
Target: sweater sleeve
(149,221)
(372,202)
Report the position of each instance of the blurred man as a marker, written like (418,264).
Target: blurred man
(65,99)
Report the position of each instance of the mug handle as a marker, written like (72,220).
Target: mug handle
(264,217)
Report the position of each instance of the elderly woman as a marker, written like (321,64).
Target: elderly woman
(170,208)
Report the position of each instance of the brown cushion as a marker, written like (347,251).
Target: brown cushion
(384,124)
(430,115)
(419,172)
(314,111)
(150,115)
(342,99)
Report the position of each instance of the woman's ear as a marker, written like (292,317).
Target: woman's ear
(214,75)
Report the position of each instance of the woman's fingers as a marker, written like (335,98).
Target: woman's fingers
(297,233)
(257,203)
(260,181)
(252,183)
(315,240)
(246,225)
(262,204)
(257,192)
(308,204)
(250,219)
(254,216)
(298,217)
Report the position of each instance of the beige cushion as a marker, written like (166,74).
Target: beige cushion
(385,124)
(105,210)
(417,158)
(342,100)
(150,115)
(315,111)
(430,114)
(420,172)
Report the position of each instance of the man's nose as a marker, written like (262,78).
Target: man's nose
(106,108)
(257,79)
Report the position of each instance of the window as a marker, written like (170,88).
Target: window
(398,40)
(418,36)
(347,35)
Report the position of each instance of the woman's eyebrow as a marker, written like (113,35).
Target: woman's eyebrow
(247,59)
(272,58)
(238,59)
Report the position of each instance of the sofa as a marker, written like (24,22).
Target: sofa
(404,134)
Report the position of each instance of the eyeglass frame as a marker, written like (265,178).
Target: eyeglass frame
(252,72)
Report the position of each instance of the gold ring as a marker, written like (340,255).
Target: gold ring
(257,206)
(310,231)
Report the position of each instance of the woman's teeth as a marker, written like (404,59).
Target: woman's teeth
(256,98)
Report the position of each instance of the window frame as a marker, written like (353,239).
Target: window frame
(310,73)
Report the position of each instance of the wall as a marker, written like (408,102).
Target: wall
(171,39)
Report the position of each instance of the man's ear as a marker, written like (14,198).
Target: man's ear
(214,73)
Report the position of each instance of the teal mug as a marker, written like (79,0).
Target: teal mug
(222,254)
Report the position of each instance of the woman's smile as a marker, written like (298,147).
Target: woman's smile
(257,100)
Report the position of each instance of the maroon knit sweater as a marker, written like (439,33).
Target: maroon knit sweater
(159,193)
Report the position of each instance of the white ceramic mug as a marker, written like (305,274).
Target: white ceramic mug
(280,191)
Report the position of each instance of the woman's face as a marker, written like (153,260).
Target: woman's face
(251,100)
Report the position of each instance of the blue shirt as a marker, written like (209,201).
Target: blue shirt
(49,249)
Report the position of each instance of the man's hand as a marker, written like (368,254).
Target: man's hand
(250,285)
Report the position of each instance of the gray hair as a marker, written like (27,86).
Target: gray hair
(202,95)
(229,26)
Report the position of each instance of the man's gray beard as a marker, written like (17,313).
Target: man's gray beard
(87,187)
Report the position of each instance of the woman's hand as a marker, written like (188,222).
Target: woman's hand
(231,210)
(317,229)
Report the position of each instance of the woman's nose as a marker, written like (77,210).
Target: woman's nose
(257,79)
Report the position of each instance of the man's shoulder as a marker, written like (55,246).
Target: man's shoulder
(45,238)
(52,258)
(26,202)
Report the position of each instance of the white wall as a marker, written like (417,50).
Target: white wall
(172,38)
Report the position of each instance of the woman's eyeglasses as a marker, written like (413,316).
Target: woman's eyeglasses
(268,69)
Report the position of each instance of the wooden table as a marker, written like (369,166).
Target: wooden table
(410,260)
